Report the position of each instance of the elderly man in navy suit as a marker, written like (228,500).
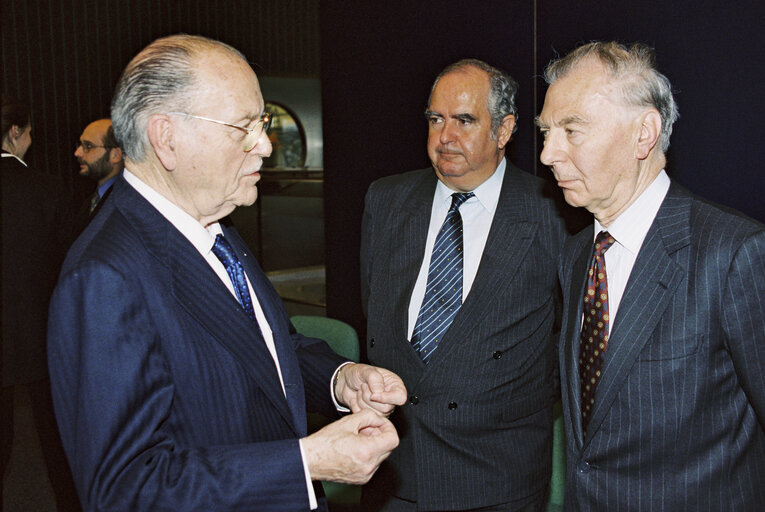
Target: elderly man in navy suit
(662,348)
(178,381)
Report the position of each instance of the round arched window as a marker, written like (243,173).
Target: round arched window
(287,138)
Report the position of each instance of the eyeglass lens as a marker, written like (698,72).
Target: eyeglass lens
(251,139)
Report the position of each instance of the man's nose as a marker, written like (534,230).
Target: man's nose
(448,132)
(263,147)
(550,151)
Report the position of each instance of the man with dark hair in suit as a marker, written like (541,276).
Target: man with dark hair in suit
(178,380)
(472,337)
(662,349)
(100,158)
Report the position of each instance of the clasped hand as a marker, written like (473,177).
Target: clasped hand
(351,449)
(361,386)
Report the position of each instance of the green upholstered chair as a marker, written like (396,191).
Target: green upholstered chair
(558,480)
(343,340)
(339,335)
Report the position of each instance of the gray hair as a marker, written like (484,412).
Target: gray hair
(635,67)
(503,88)
(158,79)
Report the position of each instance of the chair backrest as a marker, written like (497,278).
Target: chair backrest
(558,479)
(343,340)
(338,334)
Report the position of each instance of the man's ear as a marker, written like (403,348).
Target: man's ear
(505,131)
(115,155)
(16,131)
(648,136)
(161,134)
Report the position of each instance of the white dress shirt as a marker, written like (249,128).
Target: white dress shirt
(477,214)
(203,240)
(629,230)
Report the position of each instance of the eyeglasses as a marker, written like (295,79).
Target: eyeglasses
(87,146)
(252,134)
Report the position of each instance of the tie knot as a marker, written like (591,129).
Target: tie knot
(458,198)
(223,250)
(603,241)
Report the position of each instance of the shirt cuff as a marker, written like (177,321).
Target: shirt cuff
(340,408)
(312,503)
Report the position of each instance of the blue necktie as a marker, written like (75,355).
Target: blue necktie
(443,292)
(225,253)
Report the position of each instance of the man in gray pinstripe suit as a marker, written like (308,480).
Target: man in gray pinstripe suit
(476,432)
(677,420)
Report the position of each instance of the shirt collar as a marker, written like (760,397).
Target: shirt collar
(630,228)
(11,155)
(487,193)
(200,237)
(103,187)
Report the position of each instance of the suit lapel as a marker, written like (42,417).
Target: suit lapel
(414,219)
(191,278)
(270,303)
(652,283)
(572,325)
(510,236)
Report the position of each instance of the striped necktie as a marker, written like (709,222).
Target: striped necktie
(443,292)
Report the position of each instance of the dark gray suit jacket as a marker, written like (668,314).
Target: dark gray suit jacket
(679,417)
(166,395)
(477,428)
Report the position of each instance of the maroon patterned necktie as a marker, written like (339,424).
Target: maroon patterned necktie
(594,337)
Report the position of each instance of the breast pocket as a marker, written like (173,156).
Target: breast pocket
(671,348)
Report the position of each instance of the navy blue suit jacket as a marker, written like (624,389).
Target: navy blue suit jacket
(166,395)
(679,416)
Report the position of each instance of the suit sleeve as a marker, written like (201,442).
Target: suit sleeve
(744,319)
(318,363)
(113,393)
(367,237)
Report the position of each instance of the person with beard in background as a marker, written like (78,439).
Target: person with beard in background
(100,158)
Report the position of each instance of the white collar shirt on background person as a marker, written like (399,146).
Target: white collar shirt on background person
(11,155)
(477,214)
(629,230)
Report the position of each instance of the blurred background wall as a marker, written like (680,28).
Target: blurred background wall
(372,64)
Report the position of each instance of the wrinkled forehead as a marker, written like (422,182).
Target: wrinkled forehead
(586,84)
(227,81)
(468,86)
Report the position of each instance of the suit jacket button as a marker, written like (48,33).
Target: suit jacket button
(497,354)
(452,405)
(414,400)
(371,342)
(584,467)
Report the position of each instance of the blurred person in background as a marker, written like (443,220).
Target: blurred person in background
(35,217)
(101,160)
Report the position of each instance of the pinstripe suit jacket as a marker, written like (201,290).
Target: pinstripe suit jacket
(679,417)
(166,395)
(477,429)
